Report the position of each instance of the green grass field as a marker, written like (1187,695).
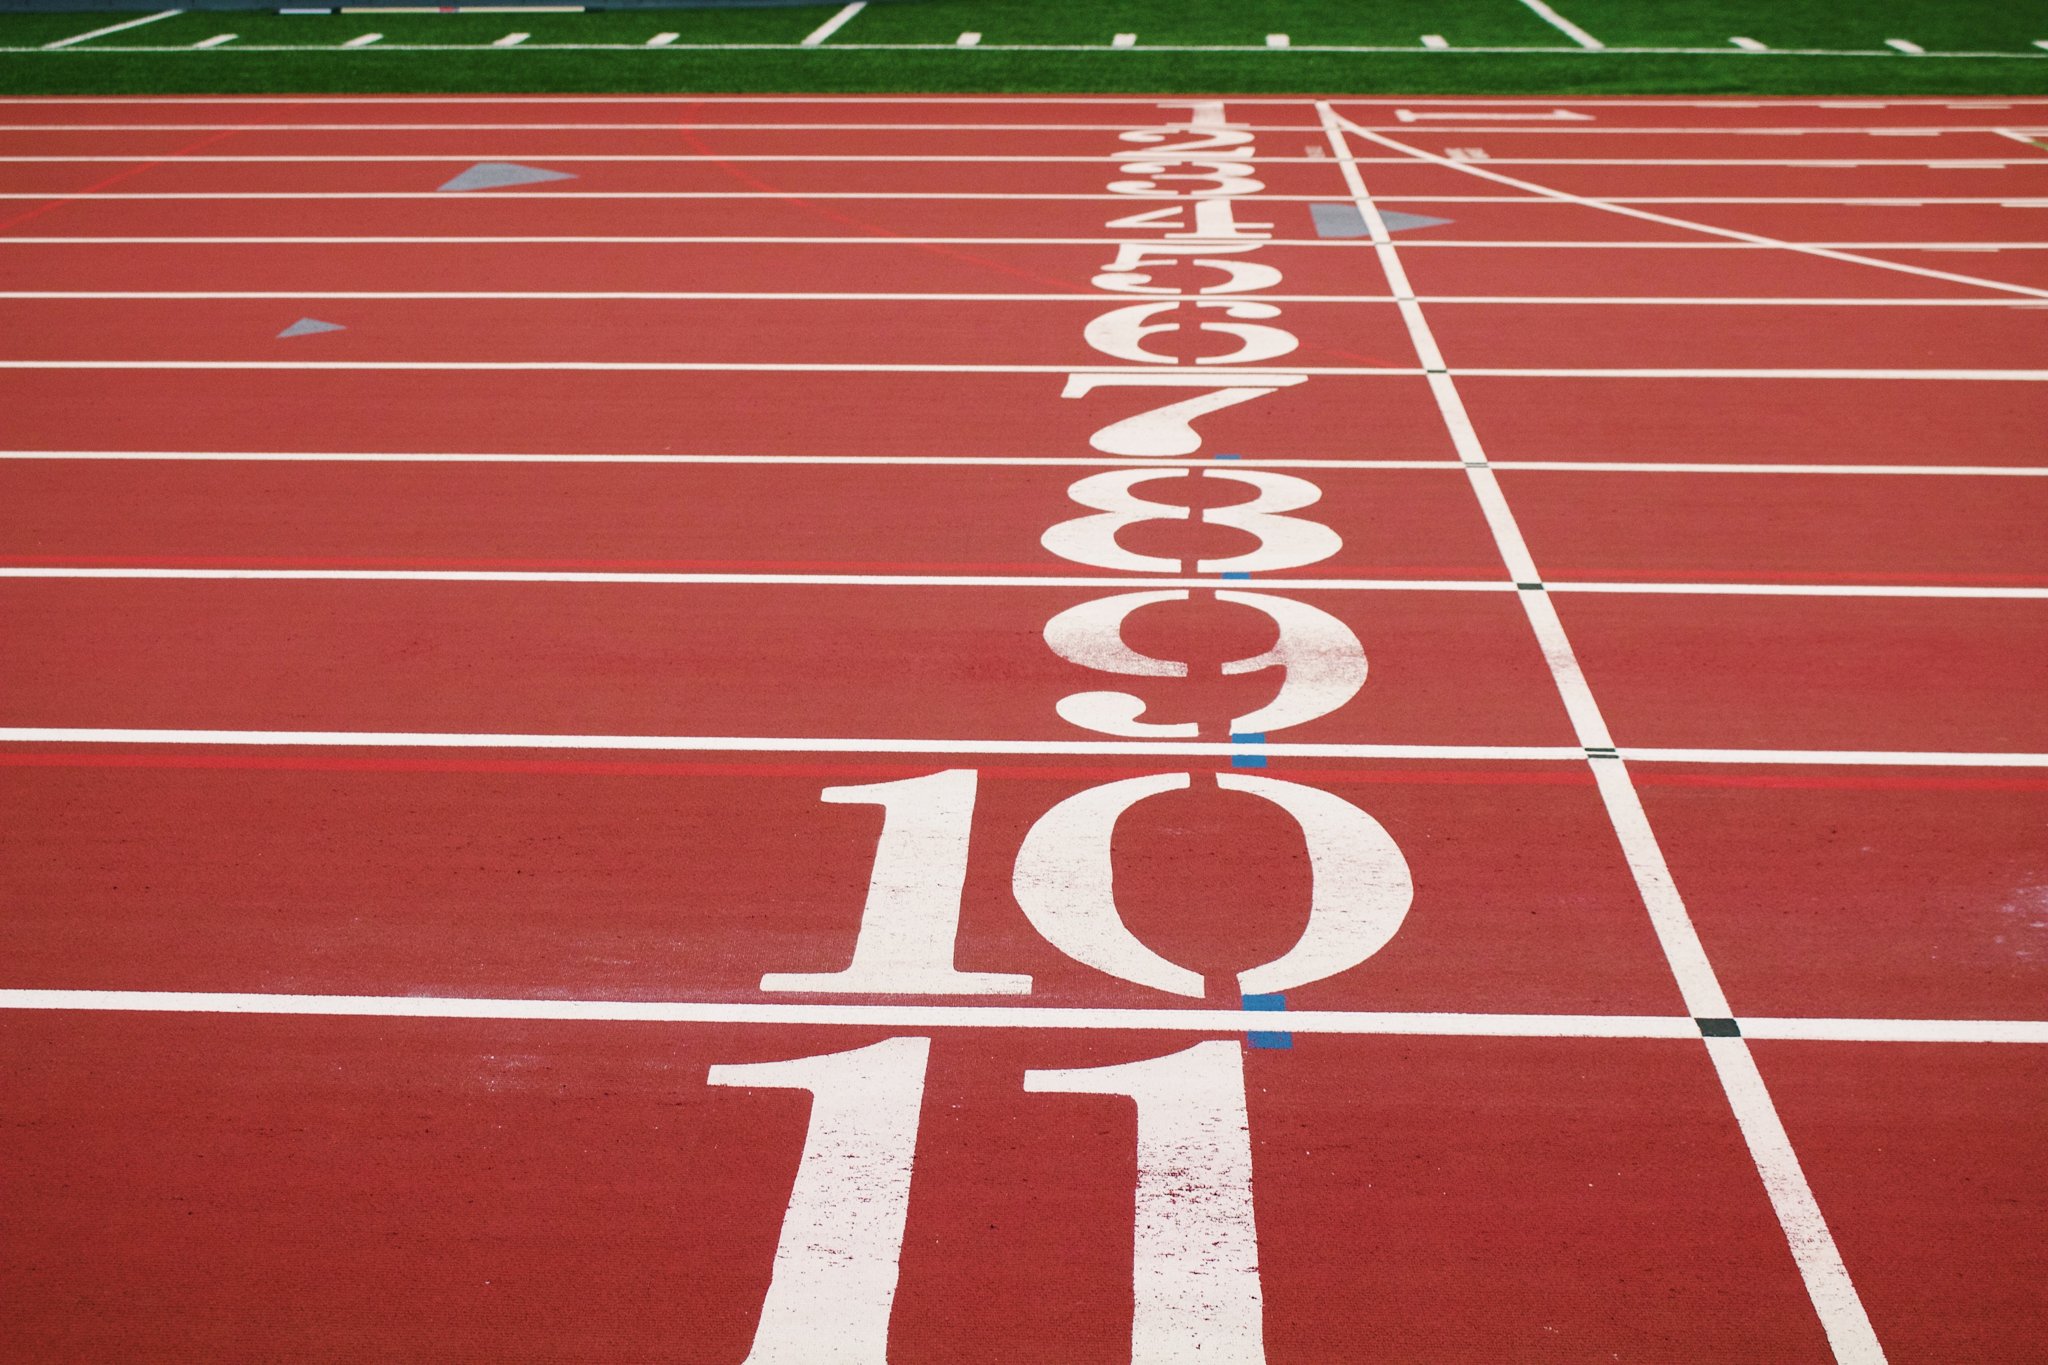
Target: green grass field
(1411,46)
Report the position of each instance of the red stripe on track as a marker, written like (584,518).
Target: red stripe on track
(817,518)
(708,659)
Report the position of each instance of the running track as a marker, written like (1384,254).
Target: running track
(1562,710)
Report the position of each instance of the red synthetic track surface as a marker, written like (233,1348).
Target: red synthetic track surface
(528,632)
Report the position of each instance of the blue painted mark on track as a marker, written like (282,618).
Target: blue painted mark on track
(1276,1041)
(1248,760)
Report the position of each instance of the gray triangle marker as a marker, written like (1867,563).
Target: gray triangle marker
(1402,222)
(496,175)
(306,327)
(1345,220)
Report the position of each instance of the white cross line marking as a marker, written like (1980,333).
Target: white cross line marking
(1813,1247)
(111,28)
(1610,206)
(831,26)
(1444,1024)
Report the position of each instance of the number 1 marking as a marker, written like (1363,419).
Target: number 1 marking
(1195,1255)
(839,1254)
(911,922)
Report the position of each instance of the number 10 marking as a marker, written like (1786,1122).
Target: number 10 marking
(1063,881)
(1195,1261)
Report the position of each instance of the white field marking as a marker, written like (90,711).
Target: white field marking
(1749,44)
(1168,1019)
(842,580)
(1813,1245)
(784,744)
(217,40)
(968,39)
(831,26)
(1565,26)
(1435,42)
(111,28)
(855,367)
(1033,462)
(1276,40)
(1834,1297)
(364,41)
(1345,49)
(1124,40)
(511,40)
(1910,49)
(663,39)
(1754,239)
(798,296)
(2041,43)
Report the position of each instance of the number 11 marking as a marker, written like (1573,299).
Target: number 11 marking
(1195,1263)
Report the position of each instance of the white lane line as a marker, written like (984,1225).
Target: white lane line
(1319,243)
(768,744)
(1898,1030)
(1610,206)
(111,28)
(1565,26)
(1435,42)
(1124,40)
(968,39)
(881,296)
(1446,1024)
(858,367)
(511,40)
(1540,125)
(1978,163)
(785,744)
(661,40)
(217,40)
(1806,1232)
(771,580)
(1910,49)
(658,578)
(1749,44)
(364,41)
(1333,48)
(832,25)
(1033,462)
